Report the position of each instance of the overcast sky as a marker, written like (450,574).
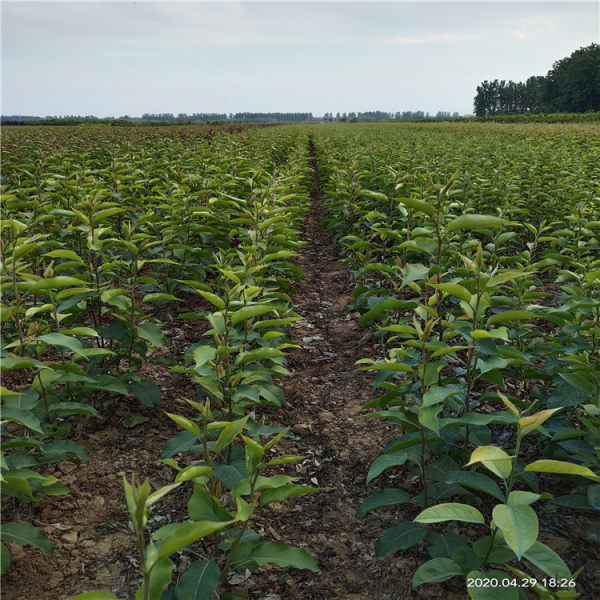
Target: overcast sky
(116,58)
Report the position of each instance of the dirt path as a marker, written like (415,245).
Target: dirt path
(324,398)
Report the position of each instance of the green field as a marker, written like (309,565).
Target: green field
(471,266)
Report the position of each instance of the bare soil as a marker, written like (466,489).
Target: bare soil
(93,545)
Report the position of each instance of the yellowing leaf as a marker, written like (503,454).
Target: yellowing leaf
(562,467)
(450,511)
(532,422)
(494,459)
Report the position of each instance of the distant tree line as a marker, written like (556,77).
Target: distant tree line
(240,117)
(379,115)
(184,118)
(276,117)
(571,85)
(163,118)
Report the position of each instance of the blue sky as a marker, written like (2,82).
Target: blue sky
(116,58)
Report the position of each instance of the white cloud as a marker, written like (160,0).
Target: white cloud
(428,38)
(535,26)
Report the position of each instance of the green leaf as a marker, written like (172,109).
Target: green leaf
(21,416)
(510,316)
(108,295)
(154,497)
(399,537)
(458,291)
(471,418)
(436,394)
(503,277)
(152,333)
(476,222)
(159,297)
(561,467)
(17,483)
(22,250)
(259,354)
(199,581)
(244,510)
(57,450)
(566,395)
(62,281)
(413,272)
(25,534)
(519,526)
(280,554)
(385,461)
(428,417)
(185,423)
(477,481)
(160,578)
(280,254)
(202,354)
(579,382)
(203,507)
(74,408)
(58,339)
(287,491)
(548,561)
(181,442)
(11,363)
(593,495)
(419,205)
(108,383)
(145,391)
(383,306)
(493,458)
(69,254)
(86,331)
(444,545)
(247,312)
(436,569)
(494,549)
(381,498)
(520,498)
(186,535)
(107,212)
(215,300)
(450,511)
(231,474)
(229,433)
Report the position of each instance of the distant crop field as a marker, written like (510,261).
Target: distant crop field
(232,351)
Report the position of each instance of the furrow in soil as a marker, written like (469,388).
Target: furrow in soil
(324,400)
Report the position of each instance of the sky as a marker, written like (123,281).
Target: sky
(129,58)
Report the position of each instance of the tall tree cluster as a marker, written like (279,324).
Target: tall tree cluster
(571,85)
